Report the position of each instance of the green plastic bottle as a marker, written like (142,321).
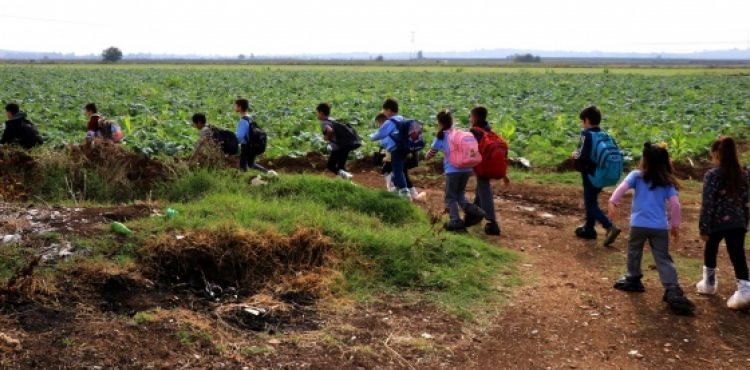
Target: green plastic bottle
(121,229)
(171,213)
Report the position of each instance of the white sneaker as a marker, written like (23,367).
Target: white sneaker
(709,284)
(389,182)
(405,193)
(416,195)
(345,175)
(741,298)
(272,173)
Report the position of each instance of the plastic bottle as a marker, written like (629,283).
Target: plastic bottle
(121,229)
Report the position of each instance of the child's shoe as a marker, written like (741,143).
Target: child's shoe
(389,182)
(416,195)
(345,175)
(629,284)
(455,226)
(709,284)
(473,215)
(675,298)
(492,228)
(586,233)
(612,233)
(741,298)
(272,173)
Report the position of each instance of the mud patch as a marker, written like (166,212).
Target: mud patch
(34,317)
(239,262)
(263,313)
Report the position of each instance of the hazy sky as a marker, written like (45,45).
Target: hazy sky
(231,27)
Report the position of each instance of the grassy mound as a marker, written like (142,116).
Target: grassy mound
(378,242)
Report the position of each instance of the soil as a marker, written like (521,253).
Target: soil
(565,315)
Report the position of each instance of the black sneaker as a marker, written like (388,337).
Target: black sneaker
(584,233)
(629,284)
(474,215)
(492,228)
(612,234)
(677,301)
(455,226)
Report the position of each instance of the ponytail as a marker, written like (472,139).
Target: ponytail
(730,171)
(445,119)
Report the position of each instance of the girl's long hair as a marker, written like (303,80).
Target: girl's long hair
(445,119)
(730,170)
(656,166)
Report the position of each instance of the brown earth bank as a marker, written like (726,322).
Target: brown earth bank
(566,315)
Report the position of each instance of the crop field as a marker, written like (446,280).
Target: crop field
(536,109)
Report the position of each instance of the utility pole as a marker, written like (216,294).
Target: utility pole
(413,45)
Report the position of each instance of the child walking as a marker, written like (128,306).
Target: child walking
(655,187)
(387,169)
(455,179)
(724,215)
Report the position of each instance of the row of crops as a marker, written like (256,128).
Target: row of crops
(537,112)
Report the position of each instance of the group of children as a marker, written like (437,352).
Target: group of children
(656,215)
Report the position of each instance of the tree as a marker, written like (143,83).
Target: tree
(420,55)
(526,58)
(111,55)
(241,57)
(379,58)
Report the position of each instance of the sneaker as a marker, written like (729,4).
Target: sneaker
(612,233)
(492,228)
(585,233)
(473,215)
(345,175)
(389,182)
(455,226)
(272,173)
(677,301)
(405,193)
(741,298)
(629,284)
(708,284)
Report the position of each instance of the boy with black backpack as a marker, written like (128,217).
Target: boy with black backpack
(19,130)
(341,138)
(224,139)
(601,163)
(494,165)
(251,138)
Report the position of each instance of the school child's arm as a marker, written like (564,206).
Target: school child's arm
(383,131)
(431,153)
(675,216)
(707,204)
(614,200)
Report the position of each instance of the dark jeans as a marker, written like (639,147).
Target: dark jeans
(659,241)
(398,164)
(455,193)
(337,160)
(247,159)
(591,201)
(485,199)
(735,241)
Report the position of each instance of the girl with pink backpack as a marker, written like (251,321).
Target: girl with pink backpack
(460,156)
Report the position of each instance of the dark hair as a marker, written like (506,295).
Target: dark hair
(656,167)
(12,108)
(199,118)
(445,119)
(391,105)
(324,108)
(730,170)
(593,114)
(481,113)
(91,107)
(381,117)
(244,104)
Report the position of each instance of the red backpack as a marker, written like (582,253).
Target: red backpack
(494,152)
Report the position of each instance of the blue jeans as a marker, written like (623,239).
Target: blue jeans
(398,164)
(591,201)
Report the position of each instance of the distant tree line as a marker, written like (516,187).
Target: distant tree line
(526,58)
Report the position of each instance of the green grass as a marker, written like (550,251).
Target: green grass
(545,177)
(401,250)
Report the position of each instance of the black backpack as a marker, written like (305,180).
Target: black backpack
(345,136)
(29,135)
(226,139)
(257,139)
(408,135)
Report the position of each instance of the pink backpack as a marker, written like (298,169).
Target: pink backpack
(464,149)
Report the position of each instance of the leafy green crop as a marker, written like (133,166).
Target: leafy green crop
(536,111)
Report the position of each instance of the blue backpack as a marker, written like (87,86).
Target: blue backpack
(408,135)
(608,158)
